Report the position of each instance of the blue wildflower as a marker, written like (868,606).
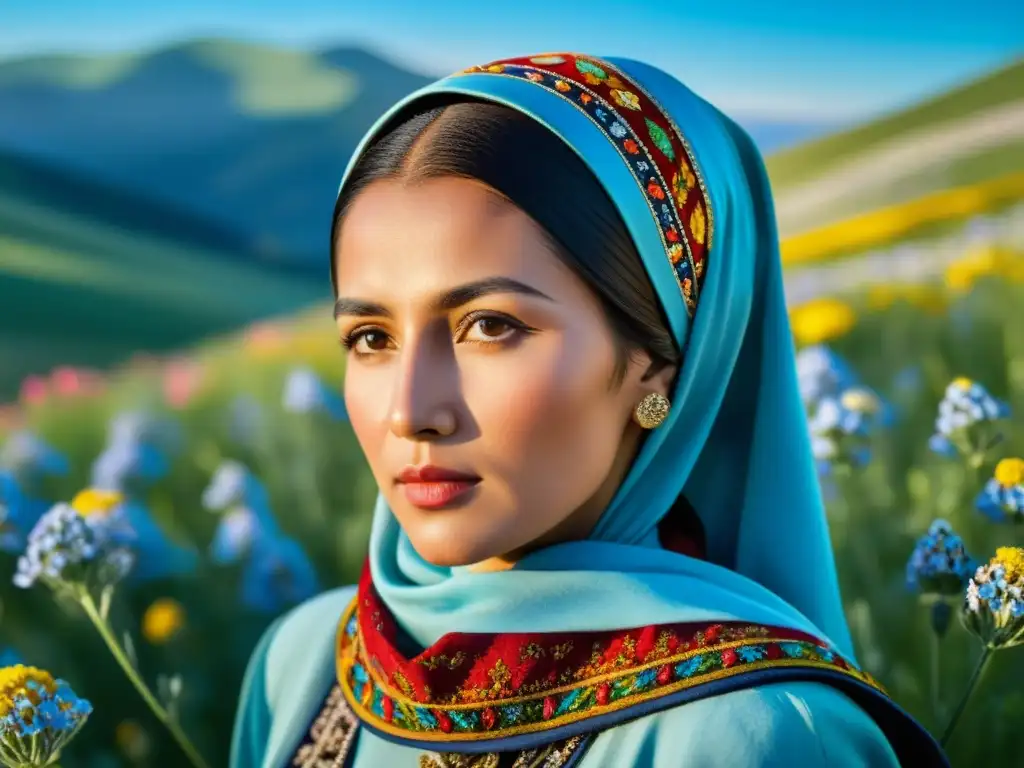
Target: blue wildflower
(822,373)
(246,420)
(840,428)
(145,428)
(38,716)
(1002,498)
(969,421)
(12,540)
(305,392)
(76,545)
(128,464)
(939,565)
(277,572)
(30,458)
(994,602)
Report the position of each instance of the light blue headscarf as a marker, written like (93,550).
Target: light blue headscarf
(735,442)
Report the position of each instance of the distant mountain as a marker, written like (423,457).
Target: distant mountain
(253,136)
(90,274)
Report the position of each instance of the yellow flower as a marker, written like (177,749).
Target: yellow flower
(821,320)
(1010,472)
(96,502)
(162,620)
(131,738)
(1012,560)
(981,262)
(859,401)
(14,683)
(962,382)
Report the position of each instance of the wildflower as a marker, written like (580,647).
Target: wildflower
(128,464)
(839,428)
(67,548)
(304,392)
(969,421)
(245,512)
(132,740)
(129,467)
(245,420)
(30,457)
(939,565)
(38,716)
(822,373)
(162,620)
(278,574)
(145,428)
(182,380)
(11,504)
(994,605)
(821,320)
(1002,498)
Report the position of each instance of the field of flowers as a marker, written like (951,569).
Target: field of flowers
(223,487)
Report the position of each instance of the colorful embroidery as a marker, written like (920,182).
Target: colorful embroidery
(506,685)
(649,142)
(331,735)
(561,754)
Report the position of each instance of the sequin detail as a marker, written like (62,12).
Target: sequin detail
(650,144)
(330,737)
(475,687)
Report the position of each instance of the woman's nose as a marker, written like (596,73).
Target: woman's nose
(423,396)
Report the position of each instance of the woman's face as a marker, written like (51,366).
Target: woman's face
(479,379)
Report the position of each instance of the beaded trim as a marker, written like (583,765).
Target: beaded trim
(560,754)
(331,735)
(648,140)
(469,688)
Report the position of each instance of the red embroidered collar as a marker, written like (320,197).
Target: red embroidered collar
(478,687)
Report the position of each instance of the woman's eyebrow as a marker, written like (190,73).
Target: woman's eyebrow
(449,300)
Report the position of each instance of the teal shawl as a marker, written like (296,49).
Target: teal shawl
(735,442)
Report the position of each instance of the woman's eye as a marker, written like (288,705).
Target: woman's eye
(370,341)
(489,329)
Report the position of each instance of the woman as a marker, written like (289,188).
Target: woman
(599,539)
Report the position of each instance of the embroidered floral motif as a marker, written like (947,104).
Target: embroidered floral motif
(513,684)
(331,735)
(648,141)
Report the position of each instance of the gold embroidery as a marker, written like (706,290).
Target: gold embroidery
(330,736)
(553,755)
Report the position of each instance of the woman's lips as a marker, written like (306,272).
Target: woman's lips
(430,487)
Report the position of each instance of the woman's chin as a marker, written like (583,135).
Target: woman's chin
(453,549)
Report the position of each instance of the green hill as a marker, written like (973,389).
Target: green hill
(967,135)
(90,274)
(250,135)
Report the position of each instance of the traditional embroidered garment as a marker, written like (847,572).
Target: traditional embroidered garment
(742,658)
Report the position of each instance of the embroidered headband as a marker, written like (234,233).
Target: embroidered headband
(649,142)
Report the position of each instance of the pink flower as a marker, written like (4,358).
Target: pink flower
(182,380)
(34,390)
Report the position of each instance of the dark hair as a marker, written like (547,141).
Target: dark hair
(488,142)
(493,144)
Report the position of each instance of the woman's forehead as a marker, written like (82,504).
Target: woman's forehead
(430,235)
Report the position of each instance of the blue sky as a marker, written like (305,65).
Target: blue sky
(804,60)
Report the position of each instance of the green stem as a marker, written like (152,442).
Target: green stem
(979,669)
(937,674)
(89,605)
